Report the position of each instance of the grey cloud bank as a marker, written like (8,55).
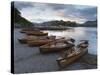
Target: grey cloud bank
(78,13)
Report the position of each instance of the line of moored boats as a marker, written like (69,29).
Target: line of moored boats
(48,44)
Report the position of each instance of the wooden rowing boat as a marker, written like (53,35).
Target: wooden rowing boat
(36,33)
(38,42)
(56,45)
(31,38)
(24,30)
(73,54)
(34,38)
(24,40)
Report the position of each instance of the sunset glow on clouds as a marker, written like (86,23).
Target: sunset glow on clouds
(40,12)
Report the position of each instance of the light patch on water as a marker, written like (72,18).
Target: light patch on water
(80,33)
(76,32)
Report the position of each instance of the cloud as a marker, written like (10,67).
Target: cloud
(79,13)
(57,6)
(21,4)
(60,13)
(89,13)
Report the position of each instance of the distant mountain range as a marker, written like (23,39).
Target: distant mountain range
(90,24)
(68,23)
(20,21)
(58,23)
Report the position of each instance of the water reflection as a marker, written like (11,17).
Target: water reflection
(80,33)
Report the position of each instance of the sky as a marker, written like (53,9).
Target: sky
(41,12)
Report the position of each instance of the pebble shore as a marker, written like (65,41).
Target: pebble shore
(30,60)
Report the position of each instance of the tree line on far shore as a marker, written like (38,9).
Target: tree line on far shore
(71,24)
(18,20)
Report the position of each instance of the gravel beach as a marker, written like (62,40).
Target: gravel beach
(30,60)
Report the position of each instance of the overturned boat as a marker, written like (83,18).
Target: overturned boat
(73,54)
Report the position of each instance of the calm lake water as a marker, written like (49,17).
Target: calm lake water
(80,33)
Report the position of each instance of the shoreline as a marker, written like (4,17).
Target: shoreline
(30,60)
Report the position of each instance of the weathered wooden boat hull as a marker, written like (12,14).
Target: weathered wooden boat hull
(47,49)
(33,40)
(24,30)
(36,33)
(29,31)
(38,43)
(64,62)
